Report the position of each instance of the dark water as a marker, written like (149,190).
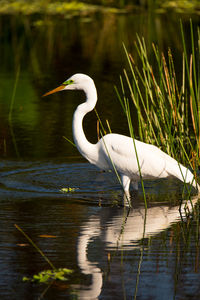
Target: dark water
(88,231)
(112,253)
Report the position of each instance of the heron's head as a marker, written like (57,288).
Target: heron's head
(75,82)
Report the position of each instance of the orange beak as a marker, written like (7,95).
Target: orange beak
(59,88)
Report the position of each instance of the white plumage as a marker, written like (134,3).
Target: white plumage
(118,150)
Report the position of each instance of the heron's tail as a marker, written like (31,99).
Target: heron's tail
(198,187)
(188,177)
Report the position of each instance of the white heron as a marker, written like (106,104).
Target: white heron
(118,150)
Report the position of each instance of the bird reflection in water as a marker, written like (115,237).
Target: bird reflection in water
(121,229)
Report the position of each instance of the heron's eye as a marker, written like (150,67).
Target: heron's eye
(68,82)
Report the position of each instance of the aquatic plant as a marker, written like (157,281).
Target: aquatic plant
(50,275)
(168,110)
(45,276)
(68,190)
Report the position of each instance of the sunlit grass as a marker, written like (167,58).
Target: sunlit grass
(167,107)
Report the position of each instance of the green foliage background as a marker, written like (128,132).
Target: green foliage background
(61,6)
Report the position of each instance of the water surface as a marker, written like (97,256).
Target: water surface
(89,231)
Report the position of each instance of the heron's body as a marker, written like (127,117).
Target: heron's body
(119,150)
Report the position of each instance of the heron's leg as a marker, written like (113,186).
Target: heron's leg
(135,185)
(126,183)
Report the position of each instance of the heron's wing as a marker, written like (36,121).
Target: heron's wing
(125,154)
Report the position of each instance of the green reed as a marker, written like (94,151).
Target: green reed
(10,114)
(168,109)
(36,247)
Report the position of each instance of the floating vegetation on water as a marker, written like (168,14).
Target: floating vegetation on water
(50,275)
(68,190)
(47,275)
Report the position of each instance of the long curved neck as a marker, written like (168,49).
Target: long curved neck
(87,149)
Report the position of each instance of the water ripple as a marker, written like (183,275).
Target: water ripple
(21,180)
